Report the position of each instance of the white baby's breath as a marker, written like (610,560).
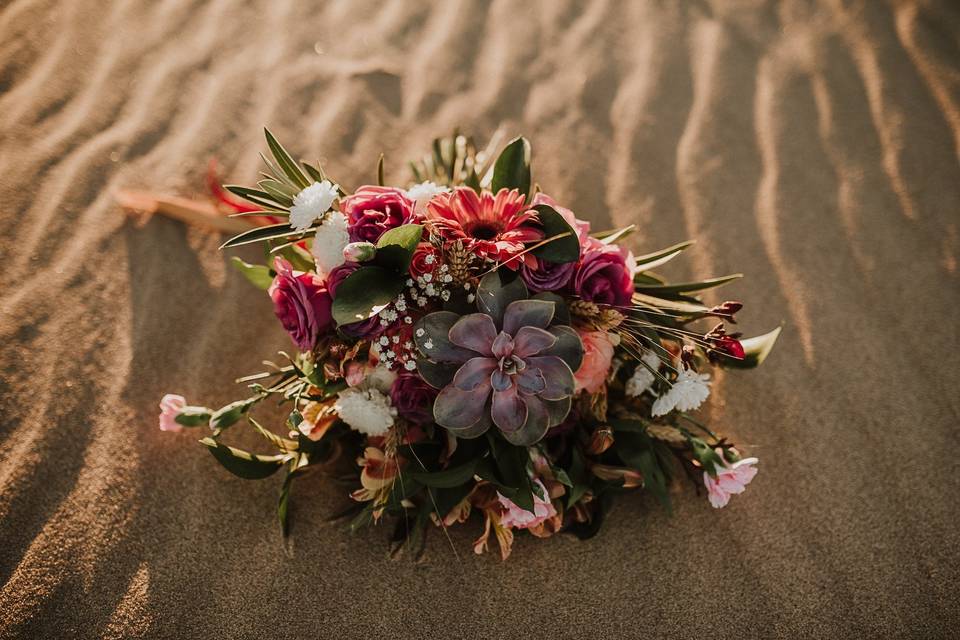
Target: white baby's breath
(365,410)
(642,379)
(311,203)
(328,243)
(687,393)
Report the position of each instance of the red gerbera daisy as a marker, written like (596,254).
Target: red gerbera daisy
(496,227)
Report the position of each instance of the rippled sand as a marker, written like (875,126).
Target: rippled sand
(813,146)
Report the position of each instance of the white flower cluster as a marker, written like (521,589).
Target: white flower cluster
(642,379)
(366,410)
(311,203)
(688,392)
(424,191)
(328,243)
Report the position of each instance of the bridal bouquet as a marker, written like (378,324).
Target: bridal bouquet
(474,347)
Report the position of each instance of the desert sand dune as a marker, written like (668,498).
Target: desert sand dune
(815,146)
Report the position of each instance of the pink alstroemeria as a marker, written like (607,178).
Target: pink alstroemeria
(731,479)
(170,407)
(519,518)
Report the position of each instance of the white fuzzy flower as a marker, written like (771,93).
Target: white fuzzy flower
(328,244)
(687,393)
(367,411)
(642,379)
(424,191)
(311,203)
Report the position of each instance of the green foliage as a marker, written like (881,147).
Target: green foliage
(364,293)
(242,463)
(259,234)
(258,275)
(447,478)
(566,246)
(755,349)
(228,415)
(512,168)
(396,246)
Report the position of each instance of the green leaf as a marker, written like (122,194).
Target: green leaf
(612,235)
(259,234)
(299,257)
(705,455)
(644,261)
(396,246)
(193,416)
(365,292)
(448,478)
(286,163)
(687,287)
(564,248)
(637,451)
(229,414)
(512,168)
(242,463)
(625,424)
(256,196)
(755,349)
(258,274)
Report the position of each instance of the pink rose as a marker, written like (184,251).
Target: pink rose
(302,303)
(170,407)
(372,210)
(597,356)
(515,517)
(731,479)
(605,274)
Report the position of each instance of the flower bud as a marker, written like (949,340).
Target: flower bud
(359,251)
(600,441)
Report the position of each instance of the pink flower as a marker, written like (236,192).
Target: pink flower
(581,226)
(496,227)
(731,479)
(302,303)
(515,517)
(597,356)
(170,407)
(604,274)
(372,210)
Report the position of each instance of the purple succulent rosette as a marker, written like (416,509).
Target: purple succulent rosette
(509,365)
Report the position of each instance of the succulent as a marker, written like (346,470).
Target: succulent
(510,364)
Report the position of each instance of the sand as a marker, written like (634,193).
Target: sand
(813,146)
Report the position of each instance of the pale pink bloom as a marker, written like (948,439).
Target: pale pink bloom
(170,407)
(519,518)
(597,356)
(731,479)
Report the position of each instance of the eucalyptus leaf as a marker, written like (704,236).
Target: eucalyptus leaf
(364,293)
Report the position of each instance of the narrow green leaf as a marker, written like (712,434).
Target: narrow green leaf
(259,234)
(193,416)
(565,248)
(242,463)
(688,287)
(286,162)
(258,274)
(364,293)
(512,168)
(261,198)
(613,235)
(228,415)
(656,255)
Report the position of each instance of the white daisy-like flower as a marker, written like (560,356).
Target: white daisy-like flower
(687,393)
(424,191)
(329,241)
(311,203)
(642,379)
(367,411)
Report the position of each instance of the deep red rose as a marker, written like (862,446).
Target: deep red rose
(302,303)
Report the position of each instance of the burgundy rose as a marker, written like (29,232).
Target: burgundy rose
(413,398)
(302,303)
(364,328)
(372,210)
(603,275)
(547,276)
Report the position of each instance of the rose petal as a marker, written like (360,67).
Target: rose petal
(529,341)
(508,411)
(473,373)
(475,331)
